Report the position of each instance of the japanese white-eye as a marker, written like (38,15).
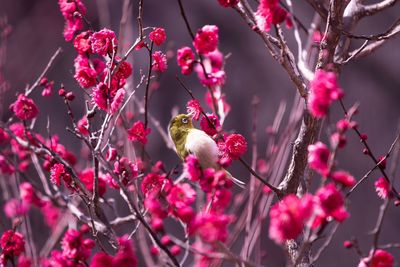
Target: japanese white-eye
(189,140)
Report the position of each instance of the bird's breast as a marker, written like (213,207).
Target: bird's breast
(203,147)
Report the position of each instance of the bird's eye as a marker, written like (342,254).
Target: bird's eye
(184,120)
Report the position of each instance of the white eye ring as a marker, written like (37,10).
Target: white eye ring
(184,120)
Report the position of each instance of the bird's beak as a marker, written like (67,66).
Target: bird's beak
(191,114)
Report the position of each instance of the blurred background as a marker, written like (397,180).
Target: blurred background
(372,82)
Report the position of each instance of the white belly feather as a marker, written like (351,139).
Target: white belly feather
(203,147)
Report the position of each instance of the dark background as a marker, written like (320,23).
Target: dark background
(373,82)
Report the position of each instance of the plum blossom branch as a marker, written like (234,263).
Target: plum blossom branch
(29,90)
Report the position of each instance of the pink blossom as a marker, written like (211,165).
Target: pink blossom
(48,89)
(13,244)
(331,203)
(207,127)
(155,206)
(126,253)
(102,259)
(318,157)
(154,183)
(73,22)
(213,63)
(100,96)
(186,59)
(158,36)
(228,3)
(269,12)
(159,61)
(103,42)
(288,217)
(381,258)
(343,178)
(84,74)
(138,132)
(126,169)
(28,194)
(15,207)
(75,247)
(206,39)
(219,200)
(72,26)
(192,168)
(124,70)
(4,137)
(83,126)
(112,154)
(82,42)
(56,173)
(382,187)
(339,140)
(24,108)
(5,166)
(236,145)
(181,195)
(24,261)
(210,227)
(50,213)
(324,89)
(117,101)
(193,108)
(87,178)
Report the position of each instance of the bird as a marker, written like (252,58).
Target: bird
(189,140)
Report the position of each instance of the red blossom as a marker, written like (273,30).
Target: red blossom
(181,195)
(103,41)
(154,183)
(117,101)
(126,169)
(206,126)
(192,168)
(186,59)
(24,108)
(74,247)
(159,61)
(288,217)
(138,132)
(100,96)
(382,187)
(213,63)
(228,3)
(318,156)
(124,70)
(56,173)
(126,253)
(87,178)
(83,126)
(84,74)
(331,203)
(82,42)
(235,145)
(158,36)
(324,89)
(381,258)
(15,208)
(269,12)
(50,213)
(206,39)
(210,227)
(102,259)
(28,194)
(13,244)
(343,178)
(194,109)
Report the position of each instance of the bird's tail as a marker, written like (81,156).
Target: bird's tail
(236,181)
